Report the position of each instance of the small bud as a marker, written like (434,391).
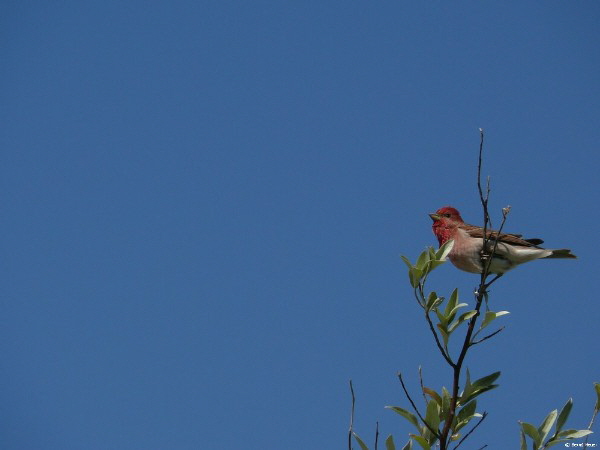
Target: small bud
(506,210)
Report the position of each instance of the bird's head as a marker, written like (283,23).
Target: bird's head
(445,222)
(446,216)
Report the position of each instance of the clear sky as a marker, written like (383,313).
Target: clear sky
(204,204)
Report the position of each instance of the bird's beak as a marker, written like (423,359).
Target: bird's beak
(434,216)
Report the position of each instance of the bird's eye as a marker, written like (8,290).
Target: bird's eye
(446,215)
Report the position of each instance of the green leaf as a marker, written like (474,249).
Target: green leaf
(433,265)
(360,441)
(467,411)
(486,381)
(407,415)
(523,441)
(421,441)
(468,390)
(457,307)
(444,333)
(452,301)
(597,388)
(563,416)
(441,317)
(532,432)
(415,275)
(422,259)
(467,315)
(406,261)
(445,403)
(490,316)
(544,428)
(459,425)
(478,392)
(431,253)
(478,387)
(434,395)
(464,316)
(455,310)
(389,443)
(408,445)
(573,434)
(443,251)
(432,415)
(432,300)
(464,416)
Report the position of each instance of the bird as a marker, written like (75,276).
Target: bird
(509,250)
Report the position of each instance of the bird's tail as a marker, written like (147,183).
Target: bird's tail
(561,253)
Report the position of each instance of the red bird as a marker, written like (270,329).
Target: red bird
(511,249)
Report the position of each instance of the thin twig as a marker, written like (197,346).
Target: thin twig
(487,285)
(479,341)
(422,385)
(416,291)
(376,434)
(483,201)
(437,340)
(593,419)
(421,292)
(420,295)
(435,433)
(487,198)
(590,426)
(486,216)
(350,431)
(483,416)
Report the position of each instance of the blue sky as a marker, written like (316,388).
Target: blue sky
(205,203)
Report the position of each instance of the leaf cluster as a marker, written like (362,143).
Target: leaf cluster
(540,436)
(438,410)
(441,406)
(449,415)
(448,317)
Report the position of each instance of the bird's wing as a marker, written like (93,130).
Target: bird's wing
(513,239)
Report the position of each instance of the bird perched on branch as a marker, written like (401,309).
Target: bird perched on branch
(509,250)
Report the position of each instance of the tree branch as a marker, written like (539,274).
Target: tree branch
(456,378)
(488,336)
(481,293)
(591,425)
(437,341)
(420,296)
(483,416)
(422,385)
(479,164)
(434,432)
